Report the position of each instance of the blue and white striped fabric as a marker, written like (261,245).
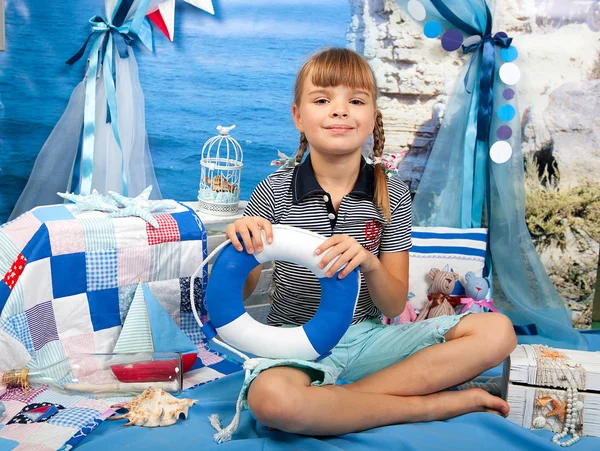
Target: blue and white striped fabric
(462,250)
(99,233)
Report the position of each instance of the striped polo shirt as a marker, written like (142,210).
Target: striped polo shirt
(292,196)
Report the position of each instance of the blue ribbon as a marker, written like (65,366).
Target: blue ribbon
(482,105)
(89,116)
(467,208)
(107,35)
(120,11)
(485,48)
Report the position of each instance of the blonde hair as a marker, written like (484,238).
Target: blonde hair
(343,67)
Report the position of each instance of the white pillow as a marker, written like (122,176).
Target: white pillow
(462,250)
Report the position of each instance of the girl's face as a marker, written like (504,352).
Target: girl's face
(336,120)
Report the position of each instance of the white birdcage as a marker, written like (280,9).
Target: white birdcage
(220,174)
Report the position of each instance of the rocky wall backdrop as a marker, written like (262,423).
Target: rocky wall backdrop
(559,102)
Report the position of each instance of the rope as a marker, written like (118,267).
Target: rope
(223,434)
(492,385)
(17,379)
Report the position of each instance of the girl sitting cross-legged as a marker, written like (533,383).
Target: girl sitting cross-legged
(397,374)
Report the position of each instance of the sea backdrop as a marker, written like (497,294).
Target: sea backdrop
(236,67)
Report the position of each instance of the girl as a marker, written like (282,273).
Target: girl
(396,373)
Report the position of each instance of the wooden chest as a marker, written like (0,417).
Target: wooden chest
(536,382)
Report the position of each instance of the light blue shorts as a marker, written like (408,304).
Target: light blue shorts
(366,348)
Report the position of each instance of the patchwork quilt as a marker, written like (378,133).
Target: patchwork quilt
(68,279)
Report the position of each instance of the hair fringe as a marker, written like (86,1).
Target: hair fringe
(336,67)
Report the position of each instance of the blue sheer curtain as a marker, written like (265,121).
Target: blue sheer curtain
(463,187)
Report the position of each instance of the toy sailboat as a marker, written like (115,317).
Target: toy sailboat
(148,328)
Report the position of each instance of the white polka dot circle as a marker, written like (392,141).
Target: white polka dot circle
(510,73)
(417,10)
(500,152)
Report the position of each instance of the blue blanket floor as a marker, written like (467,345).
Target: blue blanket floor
(474,431)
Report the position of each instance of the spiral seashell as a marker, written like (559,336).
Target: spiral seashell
(539,422)
(154,408)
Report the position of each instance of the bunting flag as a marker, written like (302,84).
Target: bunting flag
(163,14)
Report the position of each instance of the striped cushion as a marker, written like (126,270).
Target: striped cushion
(462,250)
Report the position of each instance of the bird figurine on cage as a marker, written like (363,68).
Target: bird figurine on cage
(221,169)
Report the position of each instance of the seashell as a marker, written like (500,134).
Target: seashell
(539,422)
(154,408)
(220,184)
(543,402)
(579,406)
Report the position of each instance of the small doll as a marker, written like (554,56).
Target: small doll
(442,285)
(476,289)
(408,315)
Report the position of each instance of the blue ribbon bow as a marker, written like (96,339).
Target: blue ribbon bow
(121,37)
(486,79)
(486,47)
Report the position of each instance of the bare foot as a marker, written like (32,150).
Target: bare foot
(449,404)
(486,402)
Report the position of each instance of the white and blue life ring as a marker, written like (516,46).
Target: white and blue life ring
(311,341)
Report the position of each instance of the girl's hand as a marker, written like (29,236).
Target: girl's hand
(349,251)
(249,229)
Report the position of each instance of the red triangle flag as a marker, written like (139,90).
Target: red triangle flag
(158,20)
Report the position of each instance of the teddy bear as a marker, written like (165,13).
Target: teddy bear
(442,285)
(476,290)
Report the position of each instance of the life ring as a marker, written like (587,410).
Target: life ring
(313,340)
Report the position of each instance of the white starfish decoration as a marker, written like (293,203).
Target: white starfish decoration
(91,202)
(140,206)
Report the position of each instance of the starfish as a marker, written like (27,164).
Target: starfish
(91,202)
(553,354)
(559,410)
(140,206)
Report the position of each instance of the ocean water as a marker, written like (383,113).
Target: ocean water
(237,67)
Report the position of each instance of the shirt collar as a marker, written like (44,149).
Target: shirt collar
(304,182)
